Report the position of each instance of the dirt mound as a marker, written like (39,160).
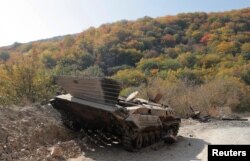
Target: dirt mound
(37,133)
(29,133)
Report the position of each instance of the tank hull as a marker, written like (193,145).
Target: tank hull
(94,118)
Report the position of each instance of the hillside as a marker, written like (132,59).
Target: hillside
(198,60)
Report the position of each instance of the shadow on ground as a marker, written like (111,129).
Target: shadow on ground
(184,150)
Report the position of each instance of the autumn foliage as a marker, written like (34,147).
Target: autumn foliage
(205,53)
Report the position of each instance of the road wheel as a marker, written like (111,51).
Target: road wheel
(127,143)
(138,142)
(145,139)
(157,136)
(175,129)
(152,138)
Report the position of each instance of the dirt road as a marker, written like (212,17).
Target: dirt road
(192,145)
(31,133)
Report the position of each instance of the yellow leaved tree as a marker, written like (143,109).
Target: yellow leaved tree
(24,81)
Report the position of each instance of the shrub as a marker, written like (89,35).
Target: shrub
(4,56)
(130,77)
(245,48)
(93,71)
(245,76)
(220,93)
(148,64)
(187,59)
(217,97)
(25,81)
(210,60)
(84,61)
(49,61)
(227,48)
(189,76)
(171,52)
(246,56)
(169,64)
(150,54)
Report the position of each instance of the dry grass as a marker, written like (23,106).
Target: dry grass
(218,97)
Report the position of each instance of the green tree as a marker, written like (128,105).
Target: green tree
(227,48)
(245,76)
(85,60)
(187,59)
(93,71)
(25,81)
(209,60)
(4,55)
(49,61)
(134,78)
(245,48)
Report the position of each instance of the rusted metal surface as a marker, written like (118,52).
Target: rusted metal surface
(94,103)
(103,91)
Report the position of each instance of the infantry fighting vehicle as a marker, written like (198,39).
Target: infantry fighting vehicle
(94,103)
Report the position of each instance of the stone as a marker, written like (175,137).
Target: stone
(1,149)
(56,151)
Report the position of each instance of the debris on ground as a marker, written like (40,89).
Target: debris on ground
(197,115)
(233,119)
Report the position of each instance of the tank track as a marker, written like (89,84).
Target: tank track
(69,121)
(175,128)
(127,143)
(130,143)
(146,139)
(99,138)
(141,140)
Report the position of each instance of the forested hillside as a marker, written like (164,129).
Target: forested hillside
(199,60)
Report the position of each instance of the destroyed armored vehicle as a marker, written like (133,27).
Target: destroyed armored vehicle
(94,103)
